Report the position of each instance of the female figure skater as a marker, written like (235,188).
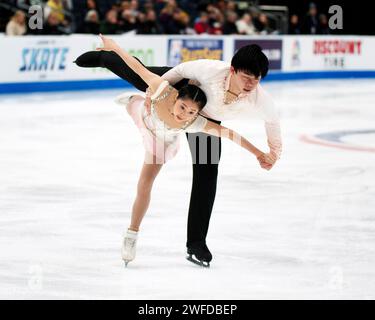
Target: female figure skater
(172,112)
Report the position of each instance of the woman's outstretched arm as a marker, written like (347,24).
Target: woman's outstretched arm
(113,62)
(152,79)
(218,130)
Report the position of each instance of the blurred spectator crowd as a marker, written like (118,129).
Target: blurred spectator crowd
(156,17)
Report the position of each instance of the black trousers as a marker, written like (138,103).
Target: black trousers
(205,149)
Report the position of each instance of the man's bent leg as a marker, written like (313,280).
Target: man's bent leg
(113,62)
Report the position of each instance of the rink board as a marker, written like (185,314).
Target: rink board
(37,64)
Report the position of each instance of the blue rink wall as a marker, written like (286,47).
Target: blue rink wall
(43,64)
(29,87)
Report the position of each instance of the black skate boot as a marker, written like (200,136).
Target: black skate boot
(199,254)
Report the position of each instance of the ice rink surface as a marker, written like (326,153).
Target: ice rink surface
(69,163)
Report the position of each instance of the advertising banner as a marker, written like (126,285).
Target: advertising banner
(329,53)
(49,60)
(182,50)
(44,58)
(272,48)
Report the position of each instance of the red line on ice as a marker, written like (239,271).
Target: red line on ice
(314,140)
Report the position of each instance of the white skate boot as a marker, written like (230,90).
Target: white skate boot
(124,99)
(129,246)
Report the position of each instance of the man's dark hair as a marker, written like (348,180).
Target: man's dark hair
(251,59)
(194,93)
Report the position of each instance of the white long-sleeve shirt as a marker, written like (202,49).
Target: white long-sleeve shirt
(214,77)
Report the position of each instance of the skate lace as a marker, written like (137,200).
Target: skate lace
(130,243)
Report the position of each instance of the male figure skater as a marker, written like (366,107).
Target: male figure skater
(232,91)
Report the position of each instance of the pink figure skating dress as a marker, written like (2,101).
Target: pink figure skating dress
(158,139)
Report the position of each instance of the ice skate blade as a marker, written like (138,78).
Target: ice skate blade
(126,263)
(202,264)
